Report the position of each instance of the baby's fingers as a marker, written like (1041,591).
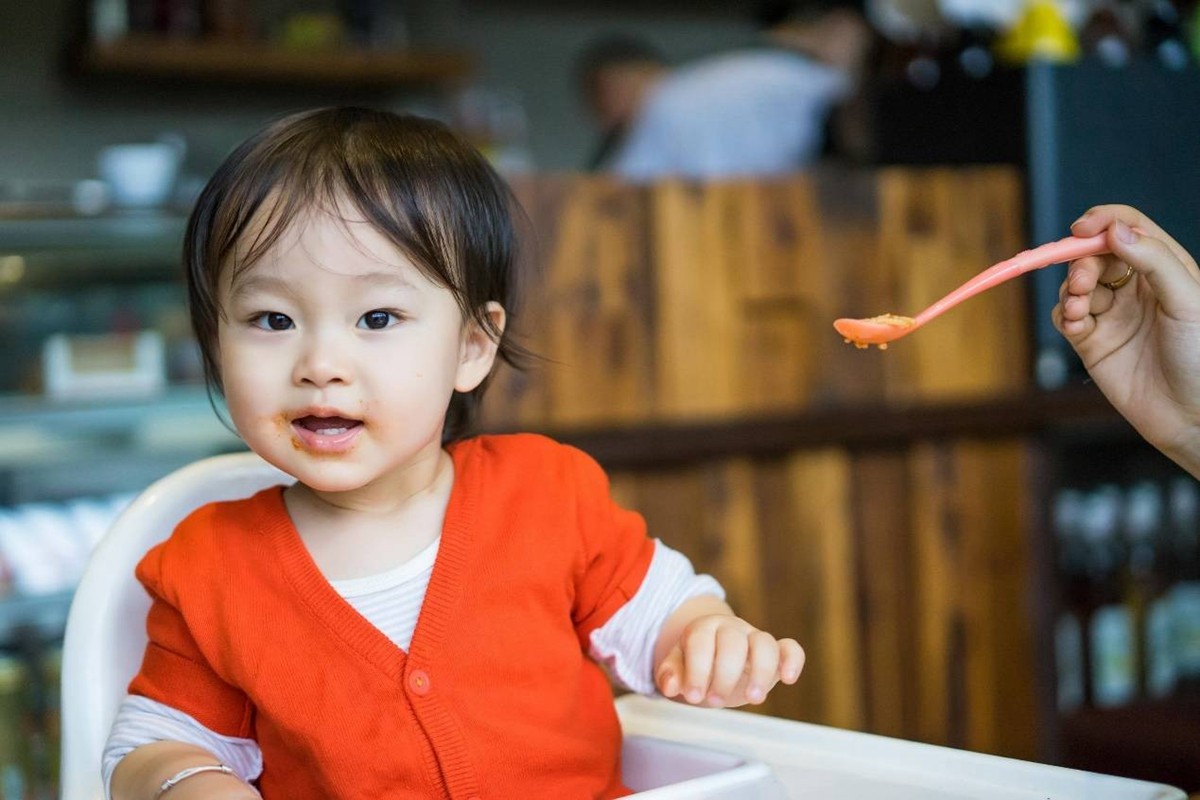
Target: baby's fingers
(670,673)
(700,650)
(763,670)
(729,665)
(791,660)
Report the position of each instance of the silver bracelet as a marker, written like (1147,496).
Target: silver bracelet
(183,774)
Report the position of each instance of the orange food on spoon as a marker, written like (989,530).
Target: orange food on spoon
(886,328)
(862,333)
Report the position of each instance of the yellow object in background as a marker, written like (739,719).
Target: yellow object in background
(313,31)
(1042,33)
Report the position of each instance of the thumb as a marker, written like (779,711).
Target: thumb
(669,677)
(1174,285)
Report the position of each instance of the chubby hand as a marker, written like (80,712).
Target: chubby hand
(721,660)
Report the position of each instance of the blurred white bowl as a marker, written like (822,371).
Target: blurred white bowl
(140,175)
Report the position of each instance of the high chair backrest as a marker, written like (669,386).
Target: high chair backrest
(106,627)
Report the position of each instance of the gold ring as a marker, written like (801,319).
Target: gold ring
(1119,282)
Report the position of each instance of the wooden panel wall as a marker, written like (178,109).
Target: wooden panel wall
(901,569)
(684,301)
(903,574)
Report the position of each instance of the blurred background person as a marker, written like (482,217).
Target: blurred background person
(756,111)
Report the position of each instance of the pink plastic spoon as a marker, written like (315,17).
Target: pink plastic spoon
(889,327)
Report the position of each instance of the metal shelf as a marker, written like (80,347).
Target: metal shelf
(101,415)
(241,63)
(70,252)
(158,231)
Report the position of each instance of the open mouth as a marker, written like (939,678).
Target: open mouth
(326,434)
(327,426)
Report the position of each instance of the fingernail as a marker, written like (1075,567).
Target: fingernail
(716,700)
(1081,218)
(754,694)
(694,695)
(1124,233)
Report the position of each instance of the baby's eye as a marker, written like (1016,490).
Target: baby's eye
(378,319)
(273,321)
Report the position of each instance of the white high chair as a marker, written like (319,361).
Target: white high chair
(106,627)
(671,751)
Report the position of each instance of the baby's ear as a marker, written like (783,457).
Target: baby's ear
(479,344)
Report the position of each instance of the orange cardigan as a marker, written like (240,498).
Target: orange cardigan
(496,697)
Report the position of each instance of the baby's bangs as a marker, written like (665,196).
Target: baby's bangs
(396,198)
(260,205)
(410,179)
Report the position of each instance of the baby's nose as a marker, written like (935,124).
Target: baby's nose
(323,361)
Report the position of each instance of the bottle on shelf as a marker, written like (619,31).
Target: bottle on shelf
(975,27)
(1146,567)
(974,55)
(51,721)
(923,68)
(108,20)
(1070,655)
(1184,505)
(913,41)
(1192,29)
(1105,37)
(1110,630)
(15,767)
(1165,37)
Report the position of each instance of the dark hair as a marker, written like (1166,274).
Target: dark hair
(415,181)
(613,50)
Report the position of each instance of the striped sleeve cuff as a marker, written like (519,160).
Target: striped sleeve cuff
(141,720)
(625,644)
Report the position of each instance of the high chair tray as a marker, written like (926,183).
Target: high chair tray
(814,761)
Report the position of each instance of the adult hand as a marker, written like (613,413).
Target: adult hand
(1139,342)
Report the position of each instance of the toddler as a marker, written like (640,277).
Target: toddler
(420,614)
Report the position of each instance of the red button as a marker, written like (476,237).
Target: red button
(418,681)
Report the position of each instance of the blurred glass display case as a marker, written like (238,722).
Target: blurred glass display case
(86,287)
(75,291)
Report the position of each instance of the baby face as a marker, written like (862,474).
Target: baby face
(339,357)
